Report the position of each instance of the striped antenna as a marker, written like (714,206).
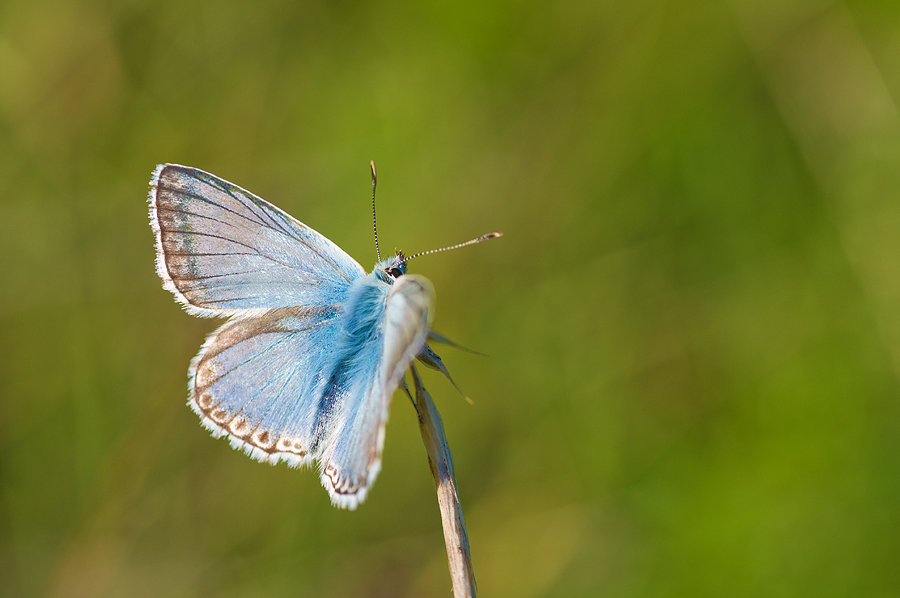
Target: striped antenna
(472,242)
(374,223)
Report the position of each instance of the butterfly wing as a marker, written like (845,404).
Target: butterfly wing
(222,250)
(256,381)
(351,458)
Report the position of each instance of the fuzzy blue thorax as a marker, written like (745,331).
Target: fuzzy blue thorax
(364,305)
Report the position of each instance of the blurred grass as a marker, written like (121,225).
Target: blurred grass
(693,320)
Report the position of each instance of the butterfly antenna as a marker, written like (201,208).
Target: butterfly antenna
(374,223)
(457,246)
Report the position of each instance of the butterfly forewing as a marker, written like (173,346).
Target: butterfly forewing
(221,249)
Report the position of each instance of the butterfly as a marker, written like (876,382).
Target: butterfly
(313,349)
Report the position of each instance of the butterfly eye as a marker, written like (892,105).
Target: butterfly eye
(395,272)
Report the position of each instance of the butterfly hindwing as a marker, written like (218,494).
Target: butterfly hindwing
(222,250)
(256,381)
(352,456)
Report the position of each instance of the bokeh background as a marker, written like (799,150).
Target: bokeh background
(692,324)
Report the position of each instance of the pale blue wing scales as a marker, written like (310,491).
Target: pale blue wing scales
(352,456)
(256,381)
(222,250)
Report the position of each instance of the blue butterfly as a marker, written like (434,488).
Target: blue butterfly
(313,349)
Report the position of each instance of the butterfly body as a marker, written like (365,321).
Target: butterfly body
(304,368)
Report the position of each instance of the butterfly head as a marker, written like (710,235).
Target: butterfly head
(391,269)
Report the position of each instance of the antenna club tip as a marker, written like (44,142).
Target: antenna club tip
(493,235)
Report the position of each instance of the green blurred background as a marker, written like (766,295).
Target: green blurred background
(692,324)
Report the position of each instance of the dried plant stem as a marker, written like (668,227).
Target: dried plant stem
(441,462)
